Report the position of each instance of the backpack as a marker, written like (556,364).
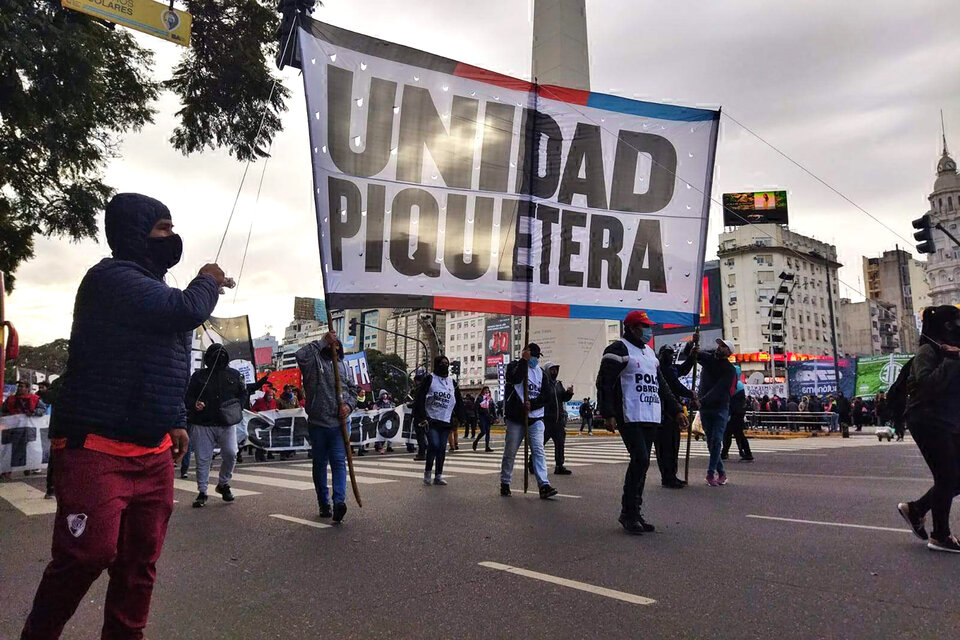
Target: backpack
(897,395)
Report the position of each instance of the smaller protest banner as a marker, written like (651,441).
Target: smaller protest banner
(358,370)
(280,379)
(287,430)
(24,445)
(875,374)
(766,389)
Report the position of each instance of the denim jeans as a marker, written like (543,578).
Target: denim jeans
(513,439)
(327,446)
(485,423)
(437,436)
(714,424)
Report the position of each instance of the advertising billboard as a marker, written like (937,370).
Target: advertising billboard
(711,313)
(816,377)
(497,344)
(754,207)
(877,373)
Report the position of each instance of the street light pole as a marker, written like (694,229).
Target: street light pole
(833,331)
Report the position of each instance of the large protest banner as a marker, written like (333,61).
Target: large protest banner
(286,430)
(442,185)
(877,373)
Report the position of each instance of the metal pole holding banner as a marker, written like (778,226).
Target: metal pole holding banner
(694,353)
(526,399)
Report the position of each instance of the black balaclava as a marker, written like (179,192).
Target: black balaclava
(216,357)
(441,366)
(941,325)
(130,217)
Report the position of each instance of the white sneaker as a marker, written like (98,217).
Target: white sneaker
(426,479)
(950,545)
(439,481)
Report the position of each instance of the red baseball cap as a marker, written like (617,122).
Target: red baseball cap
(638,317)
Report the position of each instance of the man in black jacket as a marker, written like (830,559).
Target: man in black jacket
(555,416)
(525,372)
(216,397)
(633,397)
(668,437)
(718,382)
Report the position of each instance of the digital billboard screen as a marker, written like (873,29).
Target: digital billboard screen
(497,347)
(754,207)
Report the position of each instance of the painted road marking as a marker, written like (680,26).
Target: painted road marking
(191,486)
(830,476)
(309,523)
(26,499)
(309,474)
(370,466)
(573,584)
(357,467)
(830,524)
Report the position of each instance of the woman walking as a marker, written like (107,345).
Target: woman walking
(485,409)
(437,401)
(933,407)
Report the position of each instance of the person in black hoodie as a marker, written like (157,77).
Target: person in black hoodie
(718,380)
(437,402)
(633,396)
(215,399)
(738,413)
(527,371)
(668,437)
(933,407)
(555,416)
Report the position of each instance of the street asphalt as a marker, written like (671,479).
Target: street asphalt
(829,557)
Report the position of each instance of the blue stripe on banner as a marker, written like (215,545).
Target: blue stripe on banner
(619,313)
(650,109)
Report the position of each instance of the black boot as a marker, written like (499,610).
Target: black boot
(339,510)
(325,510)
(547,492)
(646,526)
(630,525)
(504,489)
(562,471)
(225,493)
(200,501)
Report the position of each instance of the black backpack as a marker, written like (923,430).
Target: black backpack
(897,395)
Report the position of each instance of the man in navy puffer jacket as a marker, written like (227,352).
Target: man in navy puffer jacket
(119,418)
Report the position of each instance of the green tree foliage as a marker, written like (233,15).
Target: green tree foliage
(50,357)
(387,371)
(69,86)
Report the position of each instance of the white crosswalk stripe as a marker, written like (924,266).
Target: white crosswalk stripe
(26,499)
(309,474)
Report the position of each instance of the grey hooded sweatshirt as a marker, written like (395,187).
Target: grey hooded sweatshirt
(319,386)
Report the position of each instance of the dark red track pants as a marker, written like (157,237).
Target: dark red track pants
(112,513)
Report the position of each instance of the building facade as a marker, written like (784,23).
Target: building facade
(413,343)
(897,278)
(943,266)
(870,328)
(752,259)
(470,342)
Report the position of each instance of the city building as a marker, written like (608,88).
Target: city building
(870,327)
(476,340)
(943,266)
(413,342)
(897,278)
(752,259)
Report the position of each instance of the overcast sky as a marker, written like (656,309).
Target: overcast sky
(850,89)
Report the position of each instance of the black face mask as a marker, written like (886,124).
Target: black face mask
(442,370)
(327,353)
(165,252)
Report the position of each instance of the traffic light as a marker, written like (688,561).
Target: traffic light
(925,234)
(353,327)
(455,368)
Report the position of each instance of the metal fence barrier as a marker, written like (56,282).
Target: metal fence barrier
(792,421)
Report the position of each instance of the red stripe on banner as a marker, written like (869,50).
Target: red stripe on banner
(491,77)
(563,94)
(506,307)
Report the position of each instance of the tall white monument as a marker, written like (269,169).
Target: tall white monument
(561,57)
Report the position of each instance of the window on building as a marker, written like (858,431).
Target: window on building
(732,279)
(736,333)
(765,259)
(733,315)
(765,276)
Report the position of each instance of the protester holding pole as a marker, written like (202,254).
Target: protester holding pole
(119,421)
(521,374)
(718,383)
(633,396)
(331,397)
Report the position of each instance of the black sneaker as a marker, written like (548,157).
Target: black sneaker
(950,545)
(916,524)
(646,526)
(488,450)
(673,483)
(183,475)
(562,471)
(724,456)
(200,501)
(547,492)
(746,458)
(225,493)
(504,489)
(419,457)
(339,510)
(325,510)
(630,525)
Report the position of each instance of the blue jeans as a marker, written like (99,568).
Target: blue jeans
(437,436)
(714,424)
(513,439)
(327,446)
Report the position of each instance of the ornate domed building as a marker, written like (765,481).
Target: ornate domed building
(943,267)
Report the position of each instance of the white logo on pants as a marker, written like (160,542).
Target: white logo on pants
(76,524)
